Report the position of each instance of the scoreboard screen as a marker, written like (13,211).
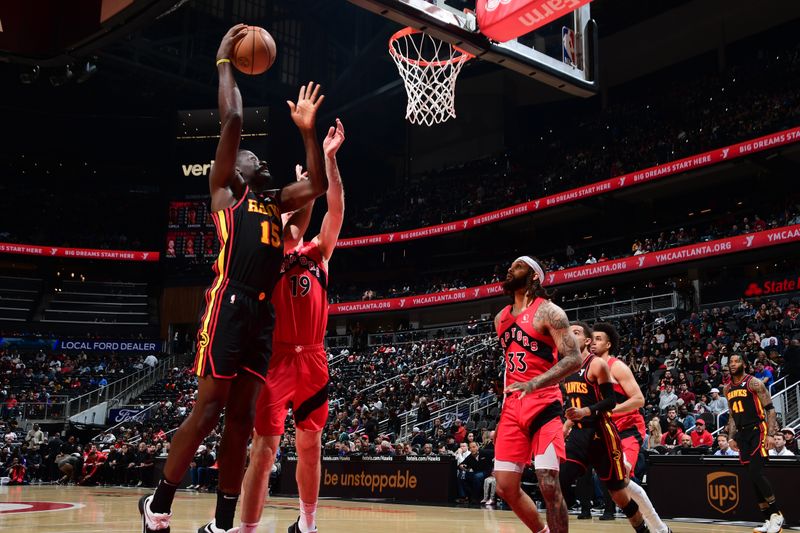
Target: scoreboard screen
(191,234)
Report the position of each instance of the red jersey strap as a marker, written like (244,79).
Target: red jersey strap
(617,387)
(529,312)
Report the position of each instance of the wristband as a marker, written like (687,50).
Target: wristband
(769,407)
(223,60)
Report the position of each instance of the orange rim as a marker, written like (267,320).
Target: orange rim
(405,32)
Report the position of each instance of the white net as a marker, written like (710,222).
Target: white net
(429,68)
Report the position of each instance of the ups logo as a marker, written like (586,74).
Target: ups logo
(722,491)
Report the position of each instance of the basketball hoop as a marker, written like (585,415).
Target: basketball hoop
(429,68)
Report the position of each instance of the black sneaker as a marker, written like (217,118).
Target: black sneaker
(152,522)
(585,516)
(295,528)
(608,516)
(211,527)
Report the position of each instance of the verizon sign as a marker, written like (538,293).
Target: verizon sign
(197,169)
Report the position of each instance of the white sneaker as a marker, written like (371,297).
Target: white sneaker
(775,523)
(763,528)
(152,521)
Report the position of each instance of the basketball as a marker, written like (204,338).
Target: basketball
(254,54)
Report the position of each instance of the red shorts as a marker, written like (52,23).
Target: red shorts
(527,427)
(297,378)
(631,444)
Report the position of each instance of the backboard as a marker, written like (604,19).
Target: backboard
(562,54)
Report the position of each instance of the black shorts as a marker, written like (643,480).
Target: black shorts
(752,442)
(235,332)
(599,447)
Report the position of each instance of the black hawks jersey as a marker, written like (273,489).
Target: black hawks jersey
(251,241)
(744,405)
(581,392)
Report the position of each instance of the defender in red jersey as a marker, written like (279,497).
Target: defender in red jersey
(298,370)
(592,439)
(539,352)
(627,418)
(235,337)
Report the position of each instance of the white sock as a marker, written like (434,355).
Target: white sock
(308,517)
(546,529)
(248,528)
(649,513)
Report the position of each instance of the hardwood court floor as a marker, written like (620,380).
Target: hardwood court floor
(87,510)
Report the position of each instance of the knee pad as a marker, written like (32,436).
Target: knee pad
(631,509)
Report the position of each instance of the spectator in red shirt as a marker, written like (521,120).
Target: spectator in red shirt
(701,437)
(686,395)
(672,437)
(460,434)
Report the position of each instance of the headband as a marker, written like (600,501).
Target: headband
(531,262)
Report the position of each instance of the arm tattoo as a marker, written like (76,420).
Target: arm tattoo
(552,318)
(757,387)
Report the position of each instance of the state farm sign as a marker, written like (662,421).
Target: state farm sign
(772,286)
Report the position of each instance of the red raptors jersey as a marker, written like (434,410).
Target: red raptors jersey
(301,297)
(630,419)
(528,353)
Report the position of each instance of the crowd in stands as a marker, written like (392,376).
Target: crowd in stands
(46,379)
(638,129)
(442,396)
(725,226)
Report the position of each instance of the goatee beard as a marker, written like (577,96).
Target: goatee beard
(510,286)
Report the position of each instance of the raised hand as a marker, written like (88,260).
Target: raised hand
(299,173)
(333,141)
(304,111)
(234,35)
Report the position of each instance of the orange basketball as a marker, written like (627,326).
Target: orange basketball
(255,53)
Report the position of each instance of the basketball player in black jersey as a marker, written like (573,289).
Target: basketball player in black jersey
(592,440)
(235,338)
(752,421)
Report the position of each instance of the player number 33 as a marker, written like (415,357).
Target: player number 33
(519,365)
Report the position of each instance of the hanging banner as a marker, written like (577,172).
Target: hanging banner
(624,181)
(682,254)
(77,253)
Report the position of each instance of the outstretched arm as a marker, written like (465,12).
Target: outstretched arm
(332,223)
(222,183)
(551,318)
(304,115)
(296,223)
(623,375)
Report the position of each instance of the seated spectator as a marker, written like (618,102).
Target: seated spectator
(724,447)
(701,437)
(671,416)
(674,435)
(791,442)
(667,397)
(684,447)
(16,472)
(780,448)
(653,433)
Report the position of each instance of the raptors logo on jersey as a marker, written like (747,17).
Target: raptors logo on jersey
(528,353)
(301,297)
